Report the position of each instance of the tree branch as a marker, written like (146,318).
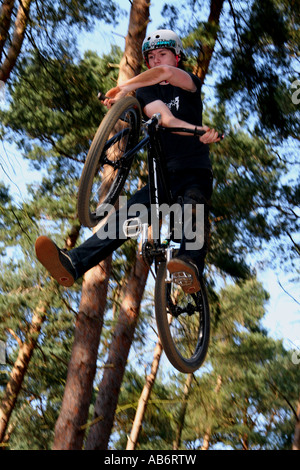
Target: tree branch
(5,20)
(17,40)
(208,49)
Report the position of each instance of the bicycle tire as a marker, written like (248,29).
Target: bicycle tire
(104,167)
(185,337)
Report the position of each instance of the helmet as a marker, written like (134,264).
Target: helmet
(160,39)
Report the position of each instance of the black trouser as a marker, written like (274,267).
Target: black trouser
(190,187)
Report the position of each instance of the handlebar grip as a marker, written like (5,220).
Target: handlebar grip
(201,132)
(101,96)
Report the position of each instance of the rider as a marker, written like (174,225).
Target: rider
(165,88)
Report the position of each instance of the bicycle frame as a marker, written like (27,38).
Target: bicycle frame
(157,173)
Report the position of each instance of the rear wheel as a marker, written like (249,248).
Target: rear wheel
(183,323)
(107,167)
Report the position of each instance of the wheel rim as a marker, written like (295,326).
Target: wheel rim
(183,322)
(111,167)
(186,321)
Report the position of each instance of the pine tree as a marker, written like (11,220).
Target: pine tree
(29,306)
(25,26)
(109,388)
(144,398)
(99,434)
(243,401)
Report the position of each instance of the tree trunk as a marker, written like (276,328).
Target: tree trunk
(109,388)
(19,370)
(144,398)
(5,21)
(132,59)
(17,39)
(206,439)
(245,435)
(69,433)
(202,66)
(187,388)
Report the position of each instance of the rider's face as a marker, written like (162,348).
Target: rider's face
(161,57)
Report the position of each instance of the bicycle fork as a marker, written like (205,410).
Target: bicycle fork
(153,249)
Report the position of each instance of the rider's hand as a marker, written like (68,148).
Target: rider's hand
(210,136)
(114,94)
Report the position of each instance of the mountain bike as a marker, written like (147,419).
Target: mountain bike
(183,320)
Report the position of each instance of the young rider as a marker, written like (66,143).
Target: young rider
(176,94)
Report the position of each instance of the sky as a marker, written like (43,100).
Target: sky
(282,319)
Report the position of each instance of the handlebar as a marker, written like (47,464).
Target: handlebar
(195,131)
(156,120)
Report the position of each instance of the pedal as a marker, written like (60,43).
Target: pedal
(132,227)
(182,278)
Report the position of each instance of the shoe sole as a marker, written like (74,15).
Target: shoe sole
(47,253)
(179,270)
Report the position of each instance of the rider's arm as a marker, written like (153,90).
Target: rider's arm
(169,120)
(162,73)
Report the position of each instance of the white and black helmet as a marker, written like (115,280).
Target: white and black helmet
(162,38)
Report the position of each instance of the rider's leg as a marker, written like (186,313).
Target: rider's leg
(67,266)
(110,236)
(196,227)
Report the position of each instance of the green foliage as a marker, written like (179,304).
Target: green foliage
(248,94)
(23,290)
(53,23)
(58,111)
(157,431)
(241,398)
(261,66)
(250,406)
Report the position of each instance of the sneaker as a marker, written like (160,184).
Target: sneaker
(56,261)
(184,273)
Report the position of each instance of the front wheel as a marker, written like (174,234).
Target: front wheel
(183,322)
(107,166)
